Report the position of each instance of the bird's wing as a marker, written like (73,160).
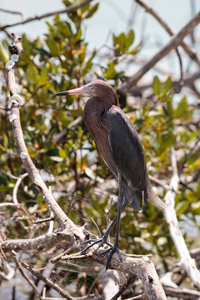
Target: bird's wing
(127,154)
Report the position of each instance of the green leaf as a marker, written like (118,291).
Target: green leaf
(4,53)
(181,108)
(62,153)
(64,28)
(167,140)
(53,47)
(43,52)
(92,11)
(32,73)
(156,86)
(110,72)
(43,76)
(181,208)
(130,38)
(167,86)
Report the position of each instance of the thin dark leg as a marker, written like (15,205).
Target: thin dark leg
(125,203)
(115,248)
(103,240)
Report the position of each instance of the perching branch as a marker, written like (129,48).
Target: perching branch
(172,44)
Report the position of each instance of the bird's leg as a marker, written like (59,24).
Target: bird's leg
(103,240)
(105,237)
(115,248)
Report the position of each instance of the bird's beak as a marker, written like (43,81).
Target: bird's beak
(79,91)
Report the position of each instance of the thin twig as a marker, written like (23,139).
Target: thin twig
(44,220)
(160,182)
(13,12)
(46,280)
(20,178)
(39,17)
(191,52)
(19,265)
(124,287)
(172,44)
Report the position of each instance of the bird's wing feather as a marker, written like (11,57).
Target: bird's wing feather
(127,154)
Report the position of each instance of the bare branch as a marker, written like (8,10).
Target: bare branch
(25,276)
(15,102)
(191,52)
(182,293)
(172,44)
(186,262)
(13,12)
(21,177)
(36,18)
(9,272)
(46,280)
(45,241)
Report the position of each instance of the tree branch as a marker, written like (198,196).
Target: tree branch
(172,44)
(191,52)
(186,262)
(36,18)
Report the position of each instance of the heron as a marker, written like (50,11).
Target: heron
(119,147)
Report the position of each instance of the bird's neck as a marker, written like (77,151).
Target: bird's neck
(111,98)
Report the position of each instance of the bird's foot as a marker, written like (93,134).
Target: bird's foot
(114,248)
(102,241)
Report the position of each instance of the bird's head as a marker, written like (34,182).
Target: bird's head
(95,89)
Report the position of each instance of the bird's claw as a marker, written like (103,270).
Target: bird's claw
(113,248)
(94,242)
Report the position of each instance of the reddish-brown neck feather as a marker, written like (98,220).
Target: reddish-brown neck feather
(96,117)
(96,121)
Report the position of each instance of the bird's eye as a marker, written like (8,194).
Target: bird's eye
(92,87)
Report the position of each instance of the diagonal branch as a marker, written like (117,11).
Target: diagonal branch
(191,52)
(172,44)
(186,262)
(36,18)
(15,102)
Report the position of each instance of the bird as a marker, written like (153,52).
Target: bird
(120,148)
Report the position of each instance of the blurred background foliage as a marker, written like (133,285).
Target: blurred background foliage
(64,151)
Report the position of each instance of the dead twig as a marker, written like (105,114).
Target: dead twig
(191,52)
(13,13)
(39,17)
(123,288)
(19,180)
(19,265)
(172,44)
